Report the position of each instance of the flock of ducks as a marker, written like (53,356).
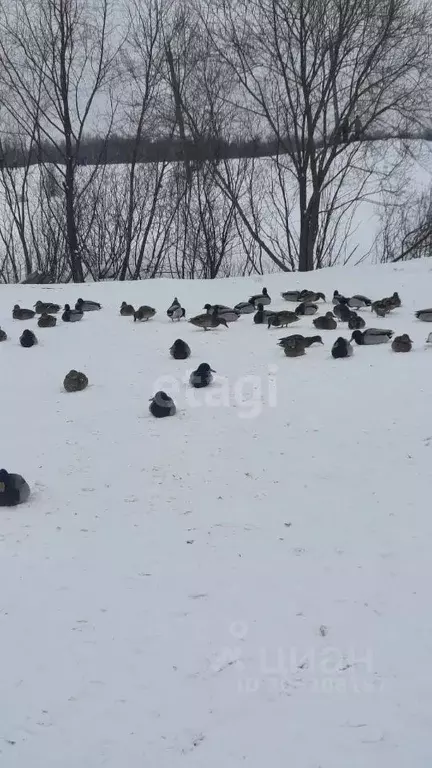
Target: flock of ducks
(344,311)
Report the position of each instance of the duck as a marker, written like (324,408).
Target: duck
(292,296)
(176,311)
(342,348)
(47,321)
(180,350)
(294,346)
(381,308)
(356,322)
(75,381)
(425,315)
(87,306)
(245,307)
(47,307)
(281,319)
(429,339)
(338,298)
(306,340)
(372,336)
(162,405)
(71,315)
(394,300)
(402,343)
(28,339)
(144,313)
(22,314)
(343,312)
(3,335)
(309,296)
(325,322)
(306,308)
(262,315)
(202,377)
(230,315)
(359,302)
(126,310)
(261,298)
(13,489)
(209,320)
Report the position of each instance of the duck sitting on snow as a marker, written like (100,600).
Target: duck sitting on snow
(260,298)
(306,308)
(180,350)
(75,381)
(372,336)
(47,321)
(245,307)
(341,348)
(22,314)
(325,322)
(425,315)
(343,312)
(281,319)
(402,343)
(356,322)
(48,307)
(176,311)
(202,377)
(13,489)
(294,346)
(359,302)
(262,315)
(71,315)
(162,405)
(3,335)
(28,339)
(381,308)
(209,320)
(144,313)
(292,296)
(312,296)
(126,310)
(87,306)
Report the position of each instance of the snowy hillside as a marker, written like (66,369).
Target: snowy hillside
(247,583)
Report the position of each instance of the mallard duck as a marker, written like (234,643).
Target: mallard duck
(202,377)
(306,340)
(281,319)
(292,296)
(325,322)
(144,313)
(22,314)
(28,339)
(294,346)
(343,312)
(425,315)
(75,381)
(356,322)
(429,339)
(46,307)
(228,314)
(262,315)
(162,405)
(306,308)
(381,308)
(180,350)
(359,302)
(260,298)
(126,310)
(341,348)
(71,315)
(394,300)
(372,336)
(3,335)
(47,321)
(338,298)
(209,320)
(402,343)
(13,489)
(176,311)
(245,308)
(309,296)
(87,306)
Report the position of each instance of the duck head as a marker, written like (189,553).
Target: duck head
(205,368)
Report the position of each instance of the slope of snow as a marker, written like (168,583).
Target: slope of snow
(244,584)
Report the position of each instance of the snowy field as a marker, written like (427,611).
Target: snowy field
(247,583)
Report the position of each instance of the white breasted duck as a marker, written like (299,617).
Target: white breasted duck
(372,336)
(425,315)
(341,348)
(176,311)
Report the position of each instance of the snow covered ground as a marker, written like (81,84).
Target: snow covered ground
(247,583)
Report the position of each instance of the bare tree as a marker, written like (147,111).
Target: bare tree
(322,76)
